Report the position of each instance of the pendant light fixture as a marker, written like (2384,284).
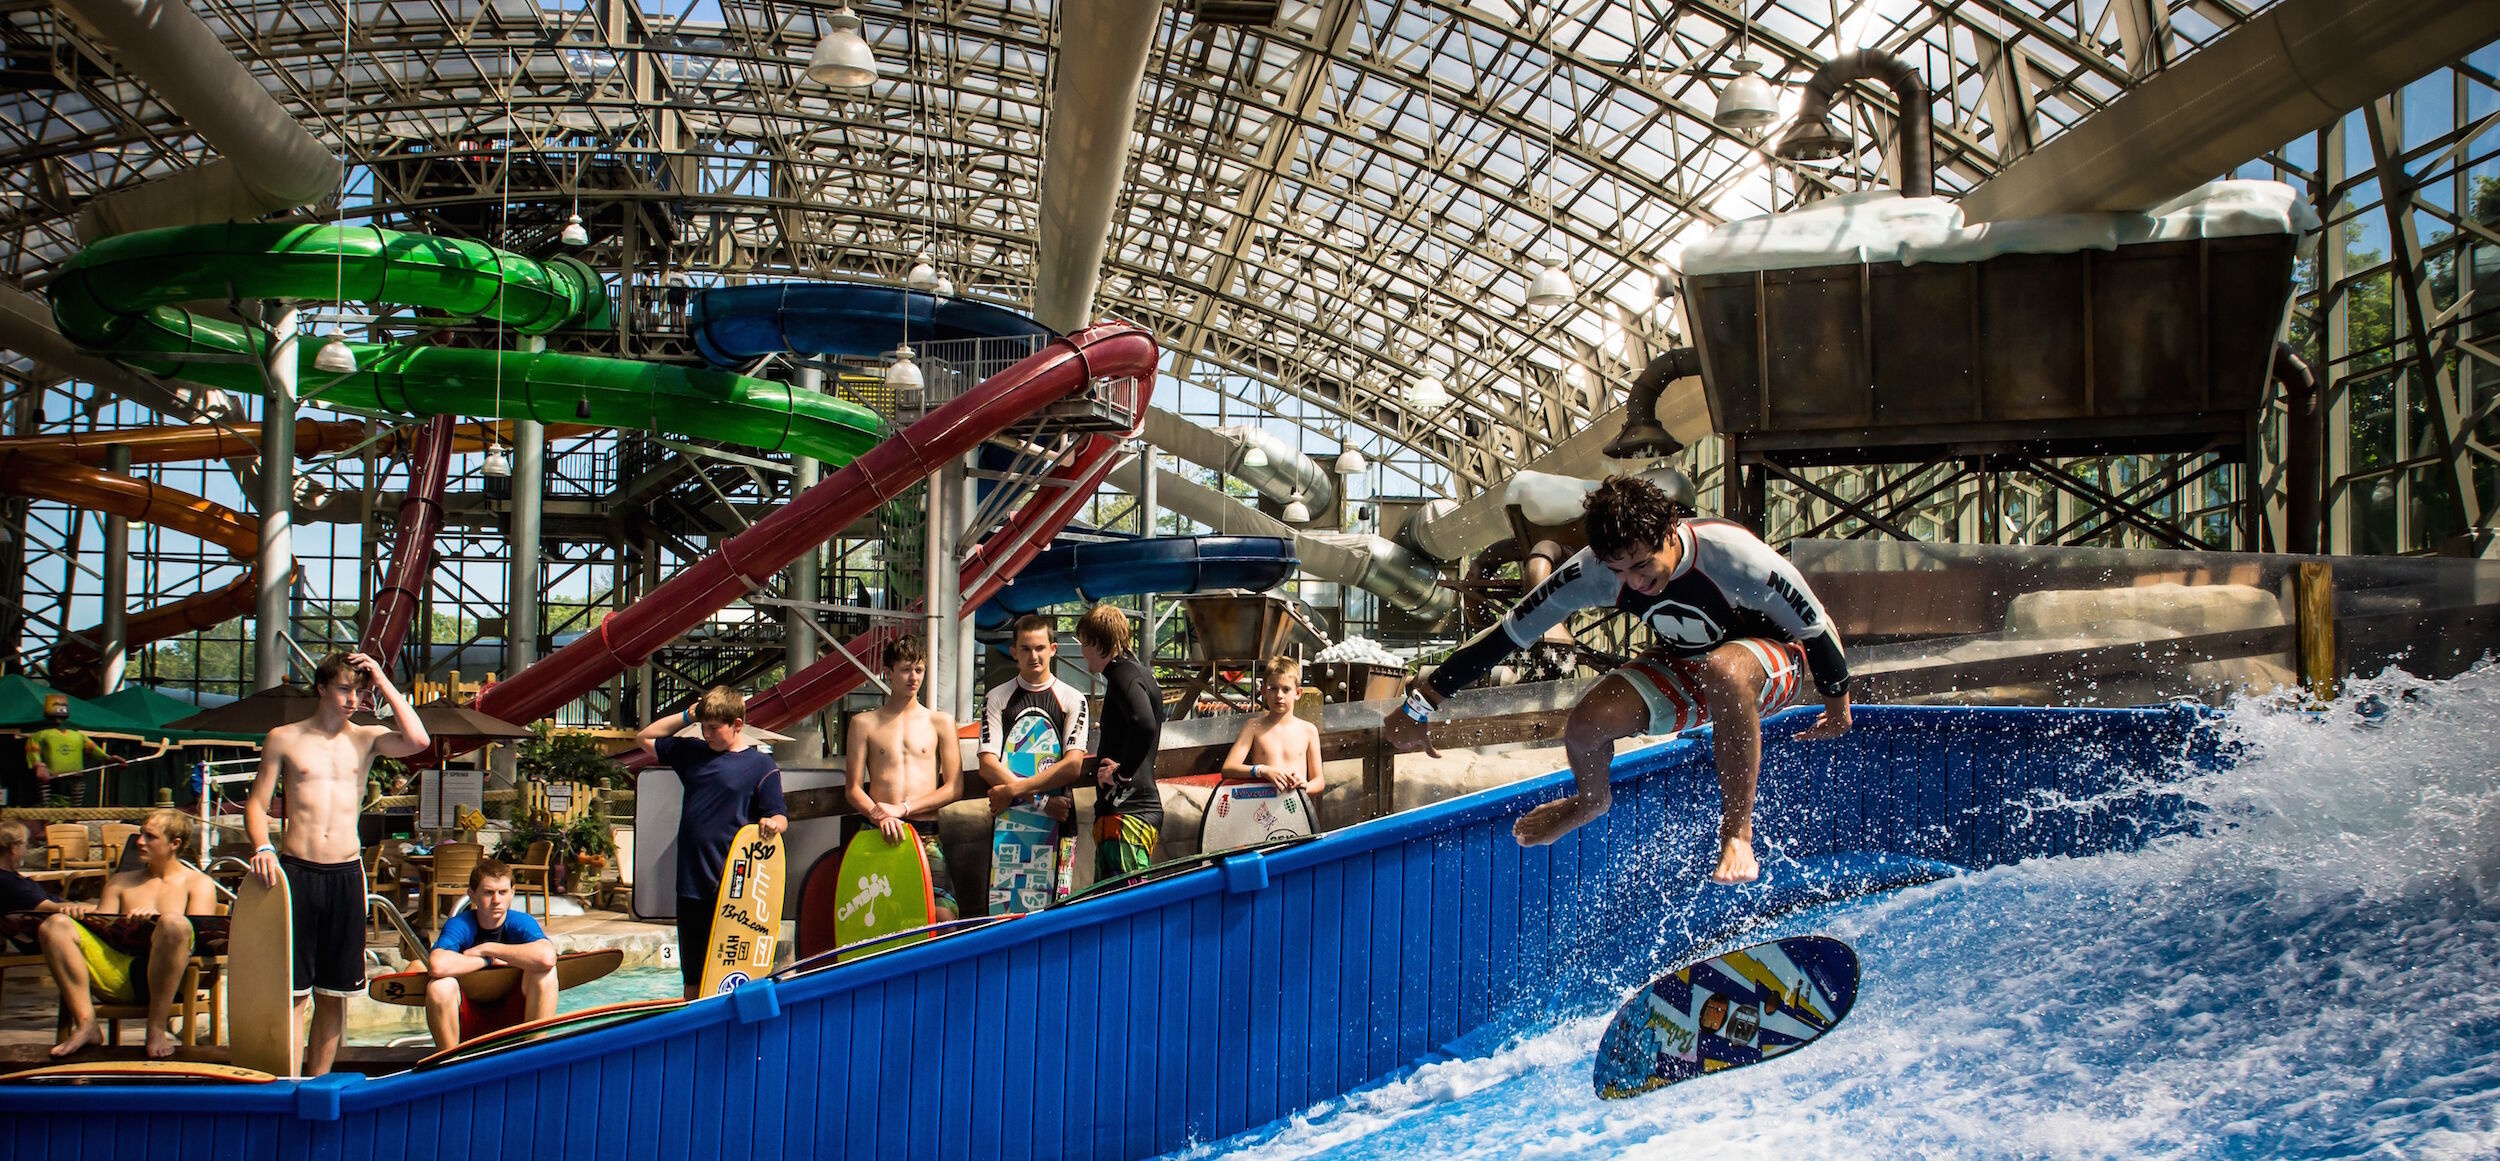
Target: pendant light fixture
(842,59)
(903,374)
(1428,393)
(1549,287)
(334,357)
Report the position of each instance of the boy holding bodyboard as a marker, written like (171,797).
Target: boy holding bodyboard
(729,785)
(1032,746)
(905,764)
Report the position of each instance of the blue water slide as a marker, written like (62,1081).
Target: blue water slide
(1164,564)
(732,324)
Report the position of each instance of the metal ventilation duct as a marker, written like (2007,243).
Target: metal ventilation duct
(175,55)
(1370,563)
(1288,473)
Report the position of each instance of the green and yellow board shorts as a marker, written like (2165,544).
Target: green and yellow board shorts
(1123,845)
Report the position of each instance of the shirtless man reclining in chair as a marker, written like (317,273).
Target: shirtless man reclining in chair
(132,948)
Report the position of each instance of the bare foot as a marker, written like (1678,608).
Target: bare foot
(1736,863)
(1555,819)
(160,1044)
(82,1036)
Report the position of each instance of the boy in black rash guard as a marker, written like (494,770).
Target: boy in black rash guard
(729,784)
(1128,811)
(1736,628)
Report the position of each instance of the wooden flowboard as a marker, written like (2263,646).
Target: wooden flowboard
(1730,1010)
(138,1072)
(884,891)
(492,985)
(490,998)
(260,999)
(1245,812)
(746,917)
(1025,858)
(561,1024)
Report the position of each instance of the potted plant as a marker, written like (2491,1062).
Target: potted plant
(592,843)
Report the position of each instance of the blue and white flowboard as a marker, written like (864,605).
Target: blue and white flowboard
(1731,1010)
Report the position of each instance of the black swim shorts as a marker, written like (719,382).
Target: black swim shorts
(329,904)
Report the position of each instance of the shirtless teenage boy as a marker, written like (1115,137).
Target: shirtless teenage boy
(143,955)
(905,763)
(324,759)
(1277,746)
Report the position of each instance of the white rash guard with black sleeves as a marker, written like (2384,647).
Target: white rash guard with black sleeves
(1728,586)
(1029,728)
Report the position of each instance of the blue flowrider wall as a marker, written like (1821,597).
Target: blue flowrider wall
(1406,934)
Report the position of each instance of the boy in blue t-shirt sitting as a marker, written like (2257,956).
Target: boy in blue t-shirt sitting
(488,934)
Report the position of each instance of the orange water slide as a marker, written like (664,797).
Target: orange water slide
(59,468)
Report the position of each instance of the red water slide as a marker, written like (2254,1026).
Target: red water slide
(412,558)
(987,570)
(745,562)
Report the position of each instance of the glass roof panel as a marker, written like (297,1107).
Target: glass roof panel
(1317,212)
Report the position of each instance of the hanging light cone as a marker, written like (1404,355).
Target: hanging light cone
(923,276)
(497,463)
(334,357)
(945,287)
(1551,288)
(1427,393)
(1350,462)
(575,234)
(842,59)
(902,374)
(1748,102)
(1297,512)
(581,407)
(1252,455)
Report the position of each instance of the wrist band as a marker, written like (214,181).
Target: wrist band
(1417,706)
(264,847)
(1254,769)
(689,718)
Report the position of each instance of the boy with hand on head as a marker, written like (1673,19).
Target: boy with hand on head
(488,934)
(905,764)
(323,761)
(729,783)
(1277,746)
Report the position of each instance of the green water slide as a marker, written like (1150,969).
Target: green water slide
(118,298)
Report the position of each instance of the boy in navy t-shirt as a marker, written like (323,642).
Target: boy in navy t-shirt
(488,934)
(728,783)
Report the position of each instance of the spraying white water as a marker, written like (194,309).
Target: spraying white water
(2309,973)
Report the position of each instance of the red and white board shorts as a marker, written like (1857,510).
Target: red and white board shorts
(1671,686)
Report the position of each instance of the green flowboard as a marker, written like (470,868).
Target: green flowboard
(884,889)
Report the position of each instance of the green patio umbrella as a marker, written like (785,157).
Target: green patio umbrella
(21,707)
(148,705)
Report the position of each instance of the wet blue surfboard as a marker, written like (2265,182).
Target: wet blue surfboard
(1734,1009)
